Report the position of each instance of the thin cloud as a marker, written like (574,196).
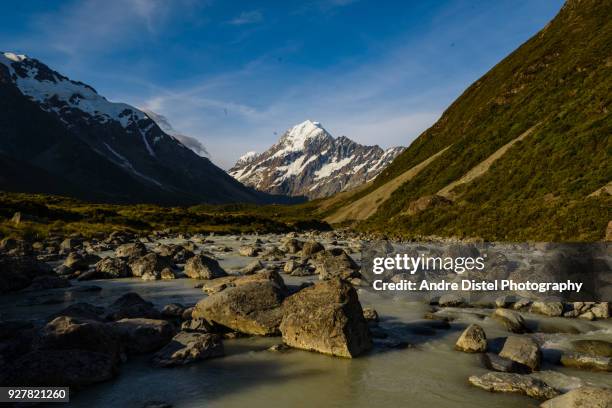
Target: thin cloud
(247,17)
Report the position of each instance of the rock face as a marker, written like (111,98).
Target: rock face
(327,318)
(515,383)
(185,348)
(583,397)
(250,308)
(472,340)
(308,161)
(203,267)
(522,350)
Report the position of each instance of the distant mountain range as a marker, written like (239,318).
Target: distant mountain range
(308,161)
(60,136)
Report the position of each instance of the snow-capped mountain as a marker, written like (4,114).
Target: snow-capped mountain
(61,136)
(308,161)
(189,141)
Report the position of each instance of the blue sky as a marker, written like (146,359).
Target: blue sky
(236,74)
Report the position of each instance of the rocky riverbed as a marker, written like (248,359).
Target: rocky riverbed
(190,321)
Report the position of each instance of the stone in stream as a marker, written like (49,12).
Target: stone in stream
(167,274)
(582,397)
(551,309)
(292,246)
(219,284)
(250,308)
(140,336)
(472,340)
(335,263)
(81,310)
(185,348)
(252,267)
(203,267)
(76,261)
(249,250)
(327,318)
(149,267)
(310,248)
(512,321)
(69,333)
(131,251)
(594,347)
(60,368)
(111,268)
(131,305)
(17,273)
(451,300)
(173,310)
(494,362)
(522,350)
(586,361)
(514,383)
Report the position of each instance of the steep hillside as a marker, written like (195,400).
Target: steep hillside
(308,161)
(60,136)
(527,145)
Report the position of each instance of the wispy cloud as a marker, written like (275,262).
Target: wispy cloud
(247,17)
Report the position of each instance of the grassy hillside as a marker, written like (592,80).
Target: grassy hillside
(541,186)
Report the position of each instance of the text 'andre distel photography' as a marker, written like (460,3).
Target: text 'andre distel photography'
(309,203)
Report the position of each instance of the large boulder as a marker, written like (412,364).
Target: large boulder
(69,333)
(203,267)
(326,317)
(582,397)
(111,268)
(522,350)
(310,248)
(149,267)
(472,340)
(187,347)
(131,251)
(250,308)
(18,272)
(131,305)
(77,261)
(140,336)
(511,320)
(514,383)
(335,263)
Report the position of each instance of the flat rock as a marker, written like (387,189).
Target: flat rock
(185,348)
(514,383)
(586,361)
(594,347)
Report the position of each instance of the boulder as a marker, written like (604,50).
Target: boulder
(81,310)
(250,308)
(17,273)
(131,251)
(522,350)
(111,268)
(594,347)
(149,266)
(185,348)
(292,246)
(219,284)
(586,361)
(335,263)
(326,317)
(551,309)
(494,362)
(167,274)
(252,267)
(249,250)
(140,336)
(582,397)
(70,333)
(472,340)
(203,267)
(512,321)
(311,247)
(131,305)
(514,383)
(76,261)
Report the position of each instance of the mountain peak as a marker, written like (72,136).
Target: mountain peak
(295,138)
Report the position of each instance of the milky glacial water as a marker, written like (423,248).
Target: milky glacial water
(428,373)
